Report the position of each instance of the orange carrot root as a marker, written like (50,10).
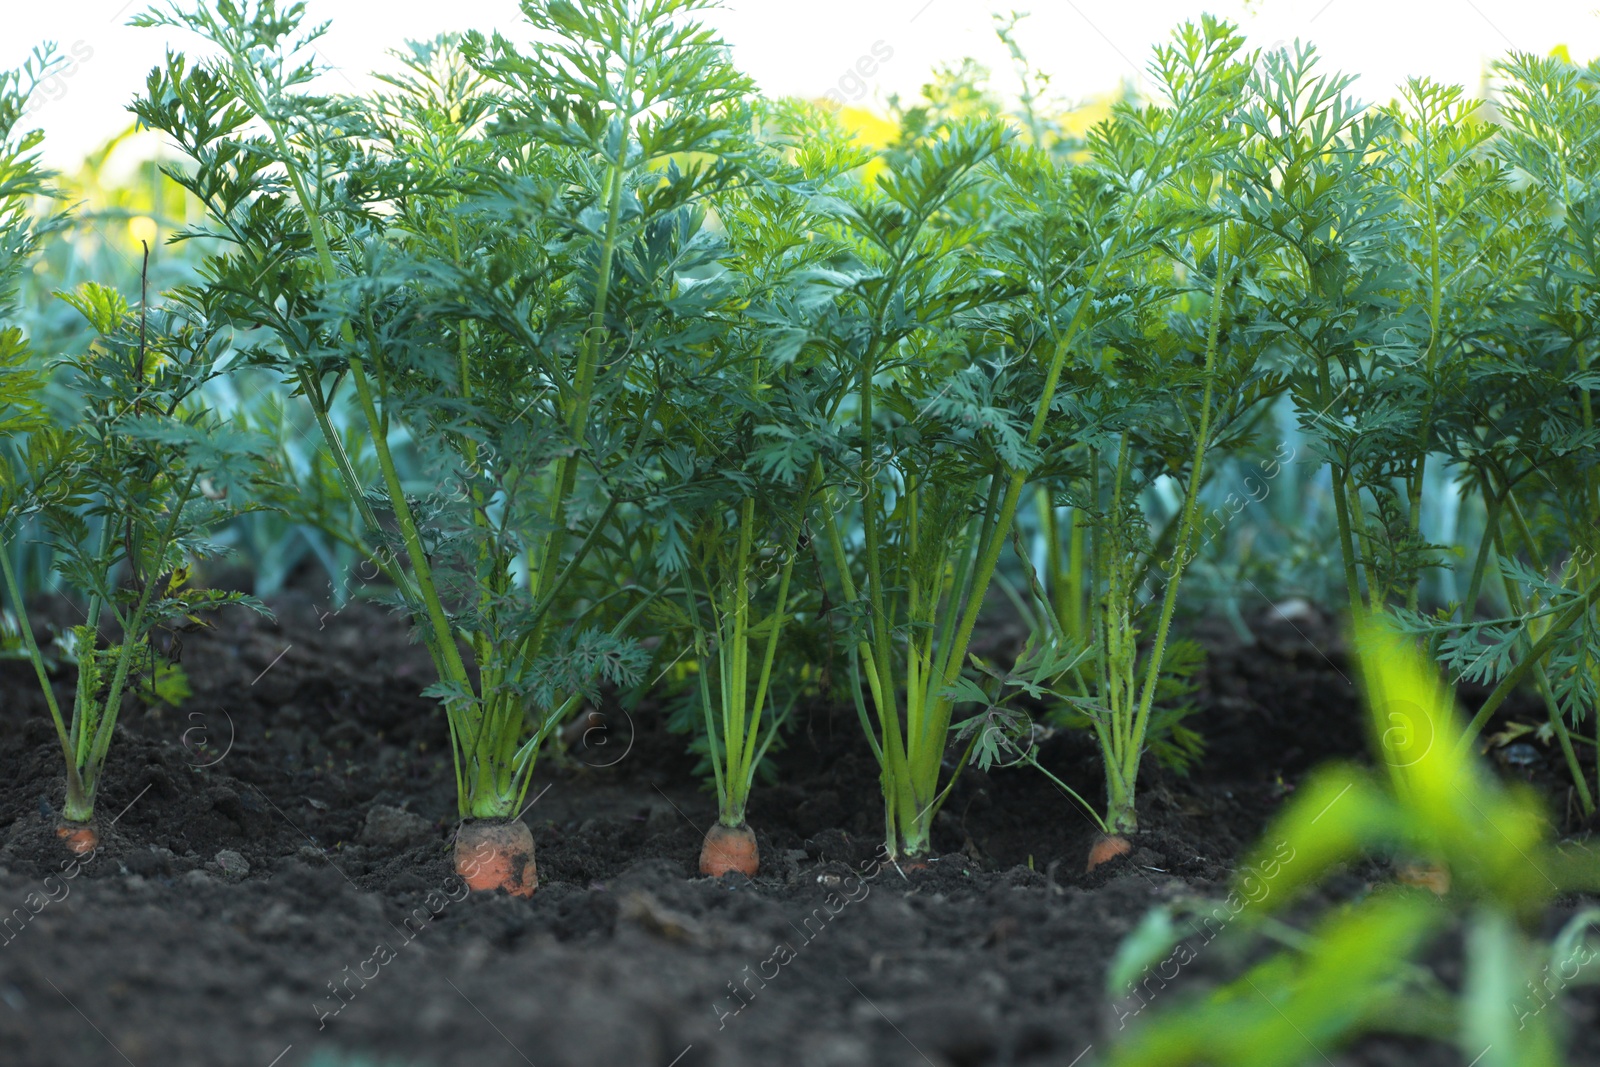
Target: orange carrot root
(497,855)
(729,848)
(1107,848)
(80,837)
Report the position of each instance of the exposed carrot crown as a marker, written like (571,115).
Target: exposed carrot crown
(729,848)
(497,855)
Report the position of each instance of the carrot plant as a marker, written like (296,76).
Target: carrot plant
(746,448)
(922,464)
(488,257)
(1462,256)
(1428,265)
(124,499)
(271,166)
(1427,305)
(732,638)
(1309,182)
(123,494)
(971,329)
(1534,435)
(1133,259)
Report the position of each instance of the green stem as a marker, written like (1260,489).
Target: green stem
(946,677)
(1341,506)
(890,751)
(588,353)
(1055,605)
(1128,819)
(408,528)
(37,660)
(1491,526)
(1542,683)
(1376,588)
(702,653)
(734,659)
(1075,577)
(347,472)
(443,639)
(96,601)
(769,656)
(897,771)
(1436,296)
(1536,654)
(1033,761)
(131,639)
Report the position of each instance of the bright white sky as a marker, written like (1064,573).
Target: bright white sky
(808,48)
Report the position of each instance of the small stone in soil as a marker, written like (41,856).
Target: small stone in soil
(232,864)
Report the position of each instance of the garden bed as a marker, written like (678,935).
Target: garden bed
(308,765)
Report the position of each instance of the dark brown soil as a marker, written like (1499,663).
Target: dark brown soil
(276,888)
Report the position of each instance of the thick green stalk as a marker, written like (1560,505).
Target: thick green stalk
(1075,576)
(703,654)
(880,682)
(588,353)
(1121,645)
(1049,529)
(1065,570)
(498,705)
(408,527)
(735,661)
(937,715)
(897,758)
(769,656)
(85,708)
(1128,819)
